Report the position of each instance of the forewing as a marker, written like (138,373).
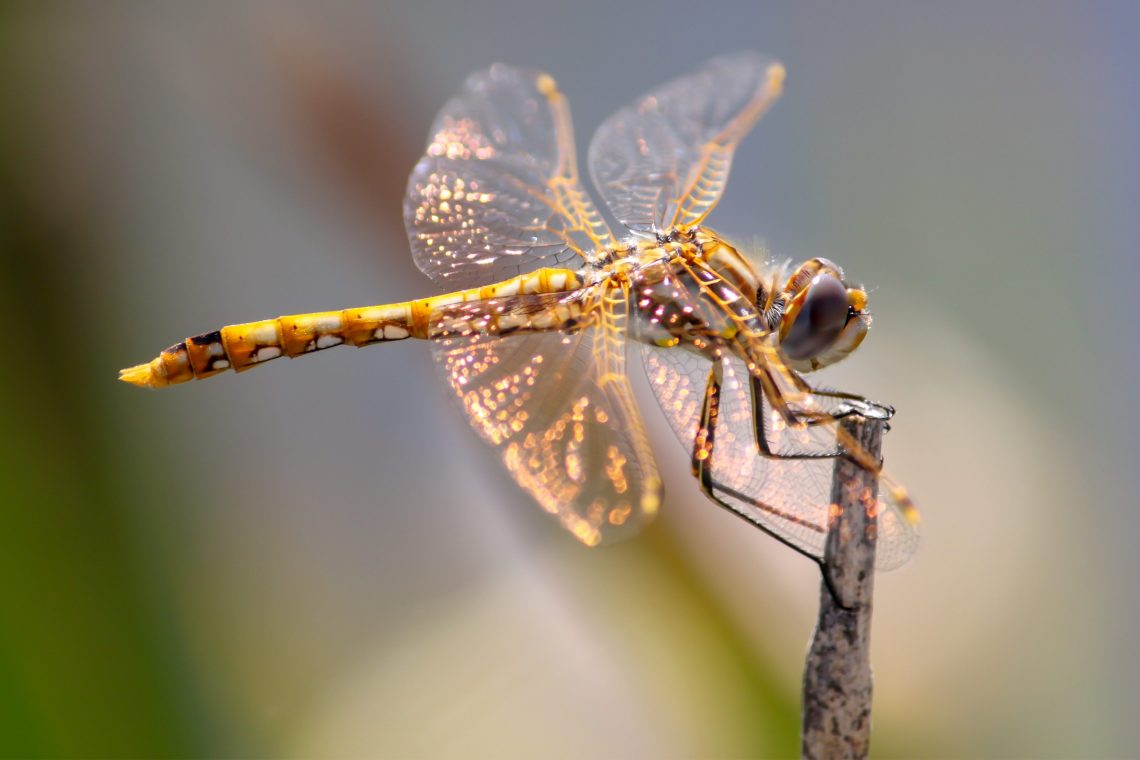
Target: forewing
(496,193)
(558,408)
(664,160)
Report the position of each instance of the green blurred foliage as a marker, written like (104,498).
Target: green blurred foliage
(83,671)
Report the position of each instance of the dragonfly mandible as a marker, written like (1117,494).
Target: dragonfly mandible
(545,298)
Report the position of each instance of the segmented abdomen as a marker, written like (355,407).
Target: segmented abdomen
(243,346)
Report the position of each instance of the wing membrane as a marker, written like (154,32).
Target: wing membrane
(558,408)
(496,193)
(664,160)
(785,496)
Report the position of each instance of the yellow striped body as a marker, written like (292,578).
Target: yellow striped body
(240,347)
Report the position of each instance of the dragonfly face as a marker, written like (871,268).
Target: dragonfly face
(532,340)
(823,318)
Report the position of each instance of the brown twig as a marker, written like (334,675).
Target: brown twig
(837,676)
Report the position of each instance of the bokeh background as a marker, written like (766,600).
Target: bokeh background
(320,559)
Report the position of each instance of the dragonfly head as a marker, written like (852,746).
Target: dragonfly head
(824,320)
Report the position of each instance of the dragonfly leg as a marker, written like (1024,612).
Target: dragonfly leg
(704,458)
(705,440)
(844,443)
(858,404)
(703,454)
(861,405)
(787,416)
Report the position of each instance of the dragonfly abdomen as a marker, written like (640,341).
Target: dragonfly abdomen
(241,347)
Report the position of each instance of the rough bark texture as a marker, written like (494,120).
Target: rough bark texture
(837,676)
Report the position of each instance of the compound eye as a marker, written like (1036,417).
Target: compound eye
(819,320)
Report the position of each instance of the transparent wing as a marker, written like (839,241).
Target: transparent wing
(787,497)
(496,193)
(897,525)
(557,406)
(664,160)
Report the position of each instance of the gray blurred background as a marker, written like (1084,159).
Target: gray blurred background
(319,559)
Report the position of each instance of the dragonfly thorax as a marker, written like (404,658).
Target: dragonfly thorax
(684,302)
(698,292)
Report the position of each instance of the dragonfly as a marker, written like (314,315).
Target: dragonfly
(546,302)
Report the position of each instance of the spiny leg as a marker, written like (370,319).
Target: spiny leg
(704,451)
(766,370)
(705,455)
(786,415)
(860,405)
(845,444)
(705,440)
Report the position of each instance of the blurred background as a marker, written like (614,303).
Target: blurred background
(320,559)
